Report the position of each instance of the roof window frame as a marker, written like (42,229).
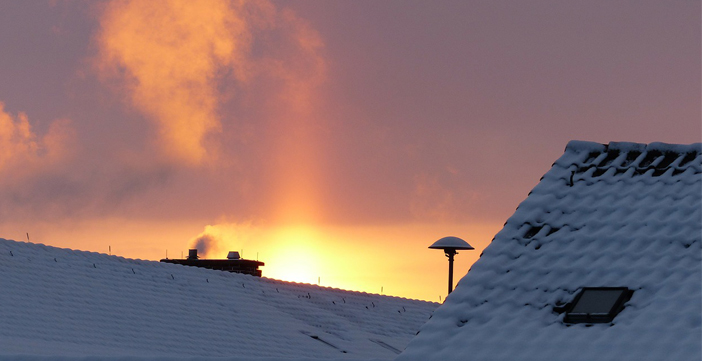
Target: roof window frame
(608,313)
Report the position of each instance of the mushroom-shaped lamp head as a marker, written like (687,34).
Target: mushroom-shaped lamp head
(451,242)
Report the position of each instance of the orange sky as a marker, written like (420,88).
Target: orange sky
(334,141)
(393,258)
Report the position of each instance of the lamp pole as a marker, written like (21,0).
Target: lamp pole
(450,245)
(450,252)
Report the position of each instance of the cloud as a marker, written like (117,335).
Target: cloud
(169,54)
(177,62)
(193,76)
(302,69)
(34,165)
(50,175)
(439,197)
(23,153)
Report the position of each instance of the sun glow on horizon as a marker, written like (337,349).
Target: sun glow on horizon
(295,255)
(391,259)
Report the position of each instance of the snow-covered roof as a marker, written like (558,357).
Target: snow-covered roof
(616,215)
(62,302)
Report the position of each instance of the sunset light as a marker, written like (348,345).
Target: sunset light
(333,141)
(294,255)
(262,179)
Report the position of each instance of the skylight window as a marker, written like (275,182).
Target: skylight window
(597,304)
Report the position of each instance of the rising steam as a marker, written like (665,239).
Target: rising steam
(204,244)
(216,240)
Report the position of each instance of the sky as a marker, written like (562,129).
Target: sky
(334,141)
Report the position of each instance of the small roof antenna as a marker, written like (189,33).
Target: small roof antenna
(451,245)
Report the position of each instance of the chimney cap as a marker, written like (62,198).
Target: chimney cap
(192,254)
(233,255)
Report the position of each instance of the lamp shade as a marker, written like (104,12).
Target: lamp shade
(451,242)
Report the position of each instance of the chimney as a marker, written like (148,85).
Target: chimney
(192,254)
(233,255)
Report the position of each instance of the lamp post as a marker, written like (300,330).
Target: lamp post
(450,245)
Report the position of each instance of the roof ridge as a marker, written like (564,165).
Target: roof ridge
(583,145)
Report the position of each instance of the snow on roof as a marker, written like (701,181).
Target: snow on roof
(617,215)
(62,302)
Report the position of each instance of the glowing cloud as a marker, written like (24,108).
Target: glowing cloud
(177,60)
(23,152)
(302,69)
(169,55)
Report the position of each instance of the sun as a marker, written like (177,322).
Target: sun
(295,255)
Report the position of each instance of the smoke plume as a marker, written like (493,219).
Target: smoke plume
(204,244)
(217,239)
